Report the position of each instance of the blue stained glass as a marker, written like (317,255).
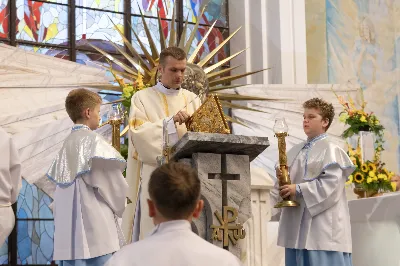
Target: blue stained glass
(58,1)
(29,195)
(96,59)
(35,192)
(45,211)
(35,247)
(150,7)
(216,11)
(4,253)
(215,38)
(24,247)
(46,245)
(38,247)
(111,5)
(33,203)
(110,97)
(49,228)
(22,227)
(97,25)
(152,24)
(35,209)
(42,22)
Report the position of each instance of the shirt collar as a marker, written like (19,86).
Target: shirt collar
(79,126)
(161,88)
(169,226)
(310,142)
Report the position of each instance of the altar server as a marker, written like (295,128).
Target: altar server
(318,231)
(174,191)
(91,190)
(10,184)
(154,111)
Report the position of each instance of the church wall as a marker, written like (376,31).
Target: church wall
(260,33)
(358,42)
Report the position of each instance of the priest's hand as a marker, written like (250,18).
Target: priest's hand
(287,191)
(181,117)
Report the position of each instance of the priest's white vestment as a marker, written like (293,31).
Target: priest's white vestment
(149,108)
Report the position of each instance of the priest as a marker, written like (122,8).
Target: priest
(157,115)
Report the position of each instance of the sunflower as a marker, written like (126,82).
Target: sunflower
(364,168)
(358,177)
(372,167)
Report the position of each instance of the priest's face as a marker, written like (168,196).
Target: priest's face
(313,123)
(172,72)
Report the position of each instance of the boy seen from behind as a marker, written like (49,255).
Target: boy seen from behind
(174,191)
(91,190)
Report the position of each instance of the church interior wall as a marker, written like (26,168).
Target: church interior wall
(358,42)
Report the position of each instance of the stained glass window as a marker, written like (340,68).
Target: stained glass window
(42,22)
(98,60)
(54,52)
(150,7)
(215,38)
(35,242)
(152,24)
(216,11)
(4,13)
(42,26)
(35,237)
(97,25)
(112,5)
(4,253)
(33,203)
(58,1)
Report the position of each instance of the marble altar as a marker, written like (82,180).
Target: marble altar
(375,230)
(222,162)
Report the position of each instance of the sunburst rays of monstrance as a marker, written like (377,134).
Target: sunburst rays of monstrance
(200,77)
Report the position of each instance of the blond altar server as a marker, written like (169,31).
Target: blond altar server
(91,190)
(10,184)
(174,191)
(318,231)
(155,112)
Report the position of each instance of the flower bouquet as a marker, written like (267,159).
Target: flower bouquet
(370,176)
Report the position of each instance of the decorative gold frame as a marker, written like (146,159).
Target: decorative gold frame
(209,118)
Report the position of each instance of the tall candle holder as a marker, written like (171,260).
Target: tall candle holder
(281,132)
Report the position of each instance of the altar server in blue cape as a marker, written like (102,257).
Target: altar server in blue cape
(91,190)
(174,200)
(318,231)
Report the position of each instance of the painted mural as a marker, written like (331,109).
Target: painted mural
(362,46)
